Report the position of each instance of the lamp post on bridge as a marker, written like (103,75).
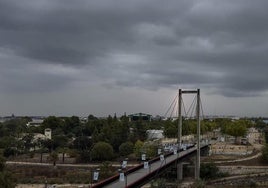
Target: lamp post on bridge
(94,175)
(123,172)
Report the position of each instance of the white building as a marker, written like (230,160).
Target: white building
(35,122)
(48,133)
(155,134)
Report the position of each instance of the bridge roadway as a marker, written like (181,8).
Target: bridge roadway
(137,176)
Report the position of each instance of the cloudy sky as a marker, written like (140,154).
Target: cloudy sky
(66,57)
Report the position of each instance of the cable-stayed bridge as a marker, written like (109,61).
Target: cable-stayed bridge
(142,174)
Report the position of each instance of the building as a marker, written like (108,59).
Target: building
(35,123)
(140,117)
(48,133)
(155,134)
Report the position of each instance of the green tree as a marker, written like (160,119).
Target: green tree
(60,141)
(28,141)
(82,143)
(63,151)
(53,123)
(159,183)
(138,148)
(102,151)
(126,148)
(150,149)
(260,124)
(170,129)
(265,153)
(15,127)
(236,129)
(106,170)
(84,156)
(209,171)
(6,179)
(113,132)
(73,125)
(53,157)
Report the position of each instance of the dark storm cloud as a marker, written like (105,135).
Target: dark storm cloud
(216,44)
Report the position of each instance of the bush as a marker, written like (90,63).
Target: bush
(84,157)
(265,153)
(158,183)
(137,148)
(10,152)
(126,148)
(102,151)
(198,184)
(209,171)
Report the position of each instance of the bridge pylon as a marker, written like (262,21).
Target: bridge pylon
(197,163)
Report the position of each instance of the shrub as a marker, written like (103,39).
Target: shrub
(102,151)
(265,153)
(126,148)
(209,171)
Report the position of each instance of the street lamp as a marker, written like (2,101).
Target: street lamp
(124,167)
(94,176)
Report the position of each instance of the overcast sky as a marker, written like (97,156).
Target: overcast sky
(100,57)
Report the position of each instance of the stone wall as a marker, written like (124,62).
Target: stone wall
(231,149)
(240,170)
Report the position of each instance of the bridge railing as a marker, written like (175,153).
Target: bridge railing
(128,171)
(135,168)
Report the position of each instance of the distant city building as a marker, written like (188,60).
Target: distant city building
(140,117)
(35,123)
(7,118)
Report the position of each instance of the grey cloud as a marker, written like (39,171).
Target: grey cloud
(200,43)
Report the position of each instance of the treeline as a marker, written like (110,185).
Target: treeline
(100,139)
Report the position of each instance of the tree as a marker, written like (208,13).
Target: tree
(82,143)
(53,157)
(28,141)
(236,129)
(265,153)
(59,141)
(106,170)
(47,144)
(73,125)
(63,151)
(209,171)
(6,179)
(102,151)
(150,149)
(170,129)
(113,132)
(138,147)
(260,124)
(84,156)
(53,123)
(126,148)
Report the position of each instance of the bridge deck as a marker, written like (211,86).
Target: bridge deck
(139,175)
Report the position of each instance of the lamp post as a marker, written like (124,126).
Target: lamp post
(124,167)
(94,176)
(121,175)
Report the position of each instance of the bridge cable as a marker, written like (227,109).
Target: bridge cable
(172,112)
(191,107)
(171,106)
(183,107)
(202,111)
